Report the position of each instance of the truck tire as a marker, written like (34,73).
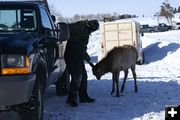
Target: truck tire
(62,84)
(33,110)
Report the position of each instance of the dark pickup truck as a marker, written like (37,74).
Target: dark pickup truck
(163,27)
(147,29)
(31,56)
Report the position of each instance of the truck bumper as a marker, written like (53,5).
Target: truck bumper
(16,89)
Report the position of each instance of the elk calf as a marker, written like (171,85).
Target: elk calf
(118,59)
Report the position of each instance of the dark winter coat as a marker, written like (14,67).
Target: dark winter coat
(75,52)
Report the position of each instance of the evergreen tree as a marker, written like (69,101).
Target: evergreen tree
(178,9)
(175,10)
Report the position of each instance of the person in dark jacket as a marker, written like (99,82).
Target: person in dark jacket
(75,55)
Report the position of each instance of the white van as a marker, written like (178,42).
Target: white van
(120,33)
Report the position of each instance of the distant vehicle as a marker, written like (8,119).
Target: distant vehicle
(147,29)
(163,27)
(119,33)
(177,26)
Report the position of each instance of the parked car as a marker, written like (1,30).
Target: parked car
(164,27)
(147,29)
(177,26)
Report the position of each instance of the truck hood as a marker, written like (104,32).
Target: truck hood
(13,43)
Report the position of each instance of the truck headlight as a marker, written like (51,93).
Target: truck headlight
(14,64)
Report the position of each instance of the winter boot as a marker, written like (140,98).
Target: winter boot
(86,99)
(72,103)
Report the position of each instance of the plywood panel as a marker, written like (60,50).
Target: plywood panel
(112,35)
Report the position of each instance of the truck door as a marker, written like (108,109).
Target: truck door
(51,46)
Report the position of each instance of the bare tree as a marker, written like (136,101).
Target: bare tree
(58,15)
(167,11)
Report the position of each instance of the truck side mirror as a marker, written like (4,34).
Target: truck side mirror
(63,31)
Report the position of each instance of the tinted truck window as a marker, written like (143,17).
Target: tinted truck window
(45,19)
(18,19)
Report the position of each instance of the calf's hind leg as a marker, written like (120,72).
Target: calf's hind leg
(134,76)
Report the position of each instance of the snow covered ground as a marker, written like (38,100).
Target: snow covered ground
(158,82)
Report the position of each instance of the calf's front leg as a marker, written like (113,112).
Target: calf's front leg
(134,76)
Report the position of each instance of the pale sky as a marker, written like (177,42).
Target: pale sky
(69,8)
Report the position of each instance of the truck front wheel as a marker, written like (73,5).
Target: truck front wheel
(33,110)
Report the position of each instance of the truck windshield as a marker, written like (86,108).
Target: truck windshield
(18,20)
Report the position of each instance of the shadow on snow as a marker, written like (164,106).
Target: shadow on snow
(154,53)
(151,97)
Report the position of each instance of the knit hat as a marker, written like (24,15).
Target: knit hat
(93,25)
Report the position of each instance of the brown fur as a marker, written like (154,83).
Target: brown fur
(118,59)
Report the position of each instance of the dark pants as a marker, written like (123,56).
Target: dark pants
(78,85)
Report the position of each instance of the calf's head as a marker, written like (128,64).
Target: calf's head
(97,71)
